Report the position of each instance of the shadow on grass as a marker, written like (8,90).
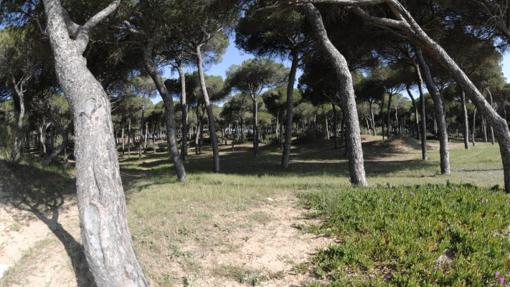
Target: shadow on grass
(312,159)
(28,188)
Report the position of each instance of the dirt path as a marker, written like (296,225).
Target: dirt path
(270,249)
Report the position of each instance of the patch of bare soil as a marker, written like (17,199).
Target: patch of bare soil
(269,249)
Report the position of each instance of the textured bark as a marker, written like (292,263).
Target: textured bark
(416,113)
(210,115)
(423,114)
(346,97)
(20,118)
(101,201)
(255,125)
(491,99)
(184,109)
(439,114)
(168,101)
(465,116)
(473,134)
(289,115)
(388,116)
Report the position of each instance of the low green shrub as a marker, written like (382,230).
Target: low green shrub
(413,236)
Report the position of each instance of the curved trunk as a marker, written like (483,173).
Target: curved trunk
(416,114)
(210,115)
(184,119)
(168,101)
(466,120)
(346,97)
(101,201)
(439,113)
(290,111)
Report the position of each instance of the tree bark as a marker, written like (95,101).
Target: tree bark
(335,125)
(255,125)
(173,150)
(289,110)
(473,136)
(20,117)
(184,108)
(493,140)
(388,116)
(346,97)
(208,107)
(466,120)
(101,201)
(439,114)
(416,113)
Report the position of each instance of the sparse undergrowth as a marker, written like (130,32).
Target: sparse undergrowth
(454,235)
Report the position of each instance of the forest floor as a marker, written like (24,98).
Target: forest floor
(243,227)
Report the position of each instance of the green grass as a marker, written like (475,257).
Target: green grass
(394,236)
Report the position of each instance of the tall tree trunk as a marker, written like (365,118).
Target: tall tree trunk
(208,107)
(20,117)
(184,107)
(335,125)
(289,110)
(439,114)
(484,130)
(146,137)
(173,150)
(493,140)
(42,139)
(346,97)
(101,201)
(423,114)
(473,136)
(326,126)
(466,120)
(372,117)
(416,114)
(123,139)
(255,125)
(129,136)
(388,116)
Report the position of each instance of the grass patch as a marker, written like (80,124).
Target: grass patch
(395,236)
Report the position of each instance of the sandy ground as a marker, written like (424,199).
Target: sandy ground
(267,252)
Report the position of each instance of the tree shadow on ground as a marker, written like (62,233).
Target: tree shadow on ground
(310,159)
(28,188)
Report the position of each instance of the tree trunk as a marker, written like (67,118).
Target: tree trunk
(184,107)
(388,116)
(326,126)
(101,201)
(255,125)
(20,117)
(473,137)
(289,110)
(484,130)
(466,120)
(372,117)
(493,139)
(416,114)
(346,97)
(335,125)
(130,137)
(42,139)
(210,115)
(423,114)
(173,150)
(439,114)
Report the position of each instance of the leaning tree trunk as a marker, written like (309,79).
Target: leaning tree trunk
(466,120)
(168,101)
(101,201)
(184,108)
(255,125)
(439,113)
(346,97)
(210,115)
(290,111)
(492,105)
(416,114)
